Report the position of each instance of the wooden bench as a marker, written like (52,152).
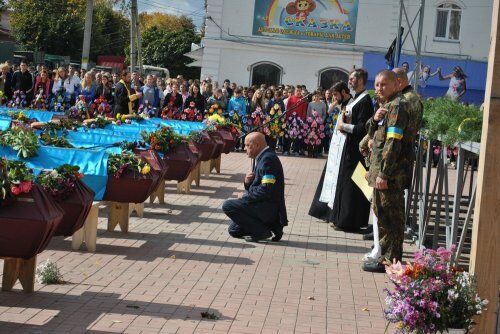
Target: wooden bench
(19,269)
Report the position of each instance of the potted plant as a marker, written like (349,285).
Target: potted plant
(431,295)
(73,196)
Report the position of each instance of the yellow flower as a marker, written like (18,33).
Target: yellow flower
(217,118)
(282,133)
(118,116)
(272,112)
(146,169)
(276,106)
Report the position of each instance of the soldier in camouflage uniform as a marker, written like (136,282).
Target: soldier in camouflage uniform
(390,160)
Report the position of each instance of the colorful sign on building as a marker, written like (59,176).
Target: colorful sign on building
(317,20)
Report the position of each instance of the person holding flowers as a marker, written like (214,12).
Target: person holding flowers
(105,89)
(173,102)
(196,97)
(237,110)
(218,98)
(43,90)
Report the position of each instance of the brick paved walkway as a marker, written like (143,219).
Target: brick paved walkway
(178,261)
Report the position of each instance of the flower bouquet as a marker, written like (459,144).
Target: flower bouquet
(133,179)
(18,100)
(101,107)
(275,124)
(19,118)
(51,139)
(60,102)
(163,140)
(256,119)
(19,177)
(147,111)
(170,111)
(239,119)
(98,122)
(80,110)
(214,109)
(191,114)
(431,295)
(60,182)
(40,102)
(313,132)
(294,126)
(21,139)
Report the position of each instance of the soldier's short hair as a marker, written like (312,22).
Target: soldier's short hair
(361,74)
(400,74)
(387,74)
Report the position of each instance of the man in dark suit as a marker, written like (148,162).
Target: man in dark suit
(261,210)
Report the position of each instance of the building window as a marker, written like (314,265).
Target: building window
(330,76)
(266,73)
(448,22)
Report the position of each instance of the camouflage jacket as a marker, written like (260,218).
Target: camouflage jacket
(393,139)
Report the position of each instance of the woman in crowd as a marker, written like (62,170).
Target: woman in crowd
(105,89)
(258,101)
(43,87)
(196,97)
(317,105)
(5,81)
(173,100)
(88,88)
(184,92)
(218,98)
(268,95)
(64,86)
(457,87)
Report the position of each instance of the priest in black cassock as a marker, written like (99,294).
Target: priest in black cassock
(350,208)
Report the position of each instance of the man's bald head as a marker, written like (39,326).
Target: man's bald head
(255,142)
(389,75)
(401,77)
(386,84)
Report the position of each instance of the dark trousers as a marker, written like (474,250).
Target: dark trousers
(294,146)
(245,221)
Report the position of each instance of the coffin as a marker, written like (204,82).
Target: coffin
(155,161)
(219,144)
(28,224)
(130,187)
(206,147)
(180,163)
(76,208)
(229,141)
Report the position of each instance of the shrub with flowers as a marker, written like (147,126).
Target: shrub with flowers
(19,178)
(18,100)
(191,113)
(101,107)
(163,140)
(275,124)
(60,182)
(431,295)
(313,131)
(120,164)
(215,109)
(294,127)
(256,119)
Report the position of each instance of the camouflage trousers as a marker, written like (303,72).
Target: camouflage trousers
(389,207)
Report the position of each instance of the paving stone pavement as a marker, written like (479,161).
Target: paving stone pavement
(179,261)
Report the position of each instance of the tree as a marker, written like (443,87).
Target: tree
(167,22)
(56,27)
(167,48)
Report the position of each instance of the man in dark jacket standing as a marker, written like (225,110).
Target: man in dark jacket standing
(261,210)
(123,98)
(22,80)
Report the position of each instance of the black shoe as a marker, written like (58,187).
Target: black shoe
(257,238)
(277,236)
(374,267)
(368,236)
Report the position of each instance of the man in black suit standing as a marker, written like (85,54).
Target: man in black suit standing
(261,210)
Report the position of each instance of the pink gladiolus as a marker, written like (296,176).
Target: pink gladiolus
(15,190)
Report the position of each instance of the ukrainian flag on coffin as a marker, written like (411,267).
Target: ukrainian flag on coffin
(268,179)
(394,132)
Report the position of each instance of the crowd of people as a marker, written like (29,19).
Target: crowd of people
(306,119)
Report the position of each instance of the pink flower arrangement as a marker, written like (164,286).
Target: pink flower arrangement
(313,131)
(256,118)
(431,295)
(191,114)
(294,126)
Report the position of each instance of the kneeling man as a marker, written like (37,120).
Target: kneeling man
(261,210)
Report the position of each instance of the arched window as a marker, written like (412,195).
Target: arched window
(266,73)
(330,76)
(448,20)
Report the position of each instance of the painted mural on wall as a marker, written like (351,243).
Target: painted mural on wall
(317,20)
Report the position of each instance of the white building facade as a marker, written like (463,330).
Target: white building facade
(255,41)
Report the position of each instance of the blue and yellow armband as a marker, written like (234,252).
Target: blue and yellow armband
(394,132)
(268,179)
